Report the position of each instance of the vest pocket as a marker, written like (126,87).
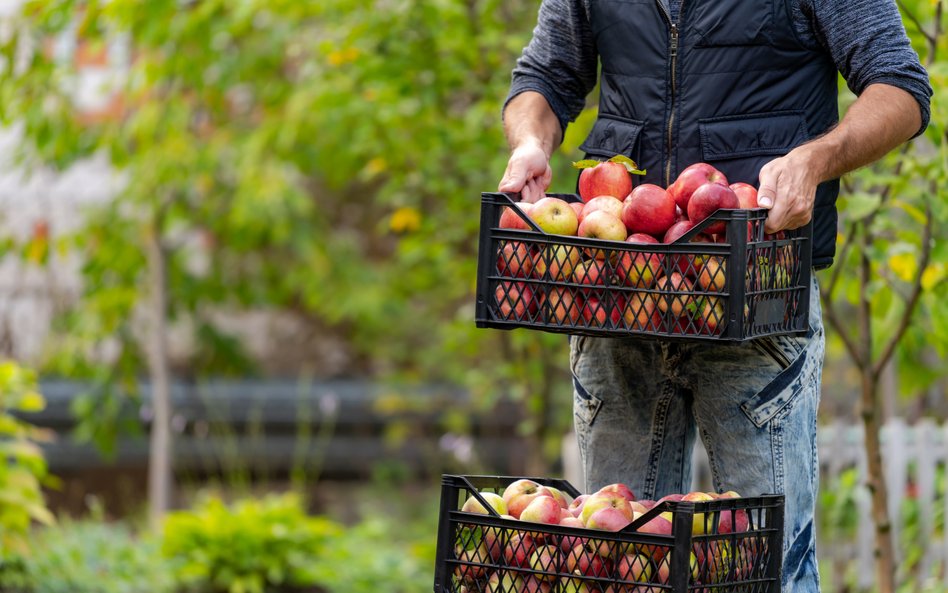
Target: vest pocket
(716,23)
(612,135)
(740,145)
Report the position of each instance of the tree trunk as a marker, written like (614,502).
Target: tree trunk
(159,452)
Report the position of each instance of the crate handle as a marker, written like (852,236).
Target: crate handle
(509,197)
(477,495)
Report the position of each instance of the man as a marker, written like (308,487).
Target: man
(749,87)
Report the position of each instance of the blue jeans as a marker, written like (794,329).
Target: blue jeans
(638,404)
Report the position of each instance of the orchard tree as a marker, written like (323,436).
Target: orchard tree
(886,295)
(320,159)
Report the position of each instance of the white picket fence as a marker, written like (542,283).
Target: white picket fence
(911,458)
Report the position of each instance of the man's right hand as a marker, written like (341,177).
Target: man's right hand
(528,172)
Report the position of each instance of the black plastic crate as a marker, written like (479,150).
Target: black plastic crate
(747,287)
(480,553)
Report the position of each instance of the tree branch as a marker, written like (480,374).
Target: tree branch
(915,294)
(829,310)
(918,25)
(841,259)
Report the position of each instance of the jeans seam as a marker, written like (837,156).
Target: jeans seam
(658,439)
(715,474)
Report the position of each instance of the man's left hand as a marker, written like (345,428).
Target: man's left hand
(788,190)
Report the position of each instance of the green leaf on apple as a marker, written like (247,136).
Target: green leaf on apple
(630,165)
(586,164)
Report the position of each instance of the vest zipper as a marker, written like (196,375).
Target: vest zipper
(673,55)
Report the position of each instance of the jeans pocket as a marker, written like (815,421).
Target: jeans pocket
(779,393)
(585,405)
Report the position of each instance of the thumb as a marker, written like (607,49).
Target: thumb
(514,178)
(767,191)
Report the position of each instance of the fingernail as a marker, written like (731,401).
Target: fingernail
(764,202)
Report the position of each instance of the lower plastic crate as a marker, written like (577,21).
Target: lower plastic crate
(737,547)
(743,285)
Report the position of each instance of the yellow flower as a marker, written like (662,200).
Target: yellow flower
(405,220)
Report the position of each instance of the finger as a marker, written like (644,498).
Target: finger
(532,191)
(777,217)
(767,190)
(514,177)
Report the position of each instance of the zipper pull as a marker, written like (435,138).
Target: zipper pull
(674,40)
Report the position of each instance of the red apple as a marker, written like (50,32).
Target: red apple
(639,269)
(532,584)
(648,209)
(577,208)
(746,195)
(677,295)
(516,300)
(600,224)
(548,561)
(638,507)
(511,220)
(606,203)
(620,489)
(555,216)
(693,177)
(713,275)
(677,230)
(706,200)
(605,179)
(597,314)
(517,495)
(557,495)
(710,316)
(558,260)
(472,559)
(591,272)
(519,548)
(698,523)
(504,581)
(584,559)
(687,264)
(515,260)
(634,567)
(576,507)
(657,526)
(568,542)
(542,509)
(496,502)
(641,312)
(563,308)
(602,500)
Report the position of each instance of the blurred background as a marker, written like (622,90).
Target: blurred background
(237,264)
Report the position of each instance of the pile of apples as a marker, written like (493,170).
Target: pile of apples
(495,559)
(611,209)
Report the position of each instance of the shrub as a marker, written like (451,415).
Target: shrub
(89,557)
(252,546)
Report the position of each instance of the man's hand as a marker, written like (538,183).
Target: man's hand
(528,172)
(788,189)
(882,117)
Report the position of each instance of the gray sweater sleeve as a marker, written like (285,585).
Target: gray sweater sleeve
(867,41)
(560,61)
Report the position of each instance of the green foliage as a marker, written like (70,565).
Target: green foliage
(250,546)
(23,468)
(323,159)
(89,557)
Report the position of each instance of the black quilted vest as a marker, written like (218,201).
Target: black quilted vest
(728,83)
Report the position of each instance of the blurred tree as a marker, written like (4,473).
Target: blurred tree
(886,296)
(323,159)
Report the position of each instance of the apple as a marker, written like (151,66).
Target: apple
(677,230)
(635,568)
(511,220)
(559,261)
(584,559)
(713,275)
(577,585)
(591,272)
(648,209)
(568,542)
(504,581)
(698,526)
(577,208)
(597,313)
(648,504)
(546,560)
(515,260)
(557,495)
(605,179)
(710,315)
(670,498)
(609,519)
(641,312)
(657,526)
(690,179)
(555,216)
(620,489)
(677,295)
(746,195)
(519,548)
(576,507)
(542,509)
(516,300)
(602,500)
(600,224)
(733,521)
(518,494)
(636,268)
(608,204)
(471,561)
(532,584)
(496,502)
(687,264)
(563,308)
(638,507)
(706,200)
